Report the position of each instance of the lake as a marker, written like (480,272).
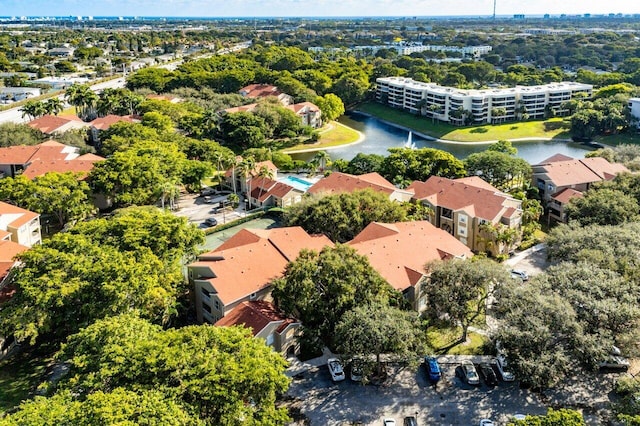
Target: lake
(380,136)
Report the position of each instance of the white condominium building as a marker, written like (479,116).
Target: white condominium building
(452,105)
(634,108)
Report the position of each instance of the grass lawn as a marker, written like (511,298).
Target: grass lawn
(441,338)
(619,139)
(337,135)
(552,128)
(19,376)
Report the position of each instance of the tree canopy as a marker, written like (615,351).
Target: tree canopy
(221,373)
(342,216)
(62,195)
(99,269)
(318,288)
(500,169)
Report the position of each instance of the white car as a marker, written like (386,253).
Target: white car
(335,369)
(519,417)
(389,422)
(469,373)
(486,422)
(500,362)
(615,361)
(517,273)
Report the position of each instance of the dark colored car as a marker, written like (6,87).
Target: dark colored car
(433,369)
(211,222)
(487,373)
(410,421)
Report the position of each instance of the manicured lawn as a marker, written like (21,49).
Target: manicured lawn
(19,376)
(441,338)
(337,135)
(552,128)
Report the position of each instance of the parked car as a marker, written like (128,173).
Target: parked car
(614,361)
(211,222)
(500,365)
(335,369)
(519,417)
(487,373)
(389,422)
(486,422)
(410,421)
(208,191)
(356,370)
(519,274)
(433,369)
(468,373)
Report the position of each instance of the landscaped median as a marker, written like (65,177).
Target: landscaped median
(554,128)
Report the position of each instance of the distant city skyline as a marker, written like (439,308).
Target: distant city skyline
(302,8)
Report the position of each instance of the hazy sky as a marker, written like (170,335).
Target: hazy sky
(213,8)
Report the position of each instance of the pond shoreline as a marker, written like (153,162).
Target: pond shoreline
(361,138)
(448,141)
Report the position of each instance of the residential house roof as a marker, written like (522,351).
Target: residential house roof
(8,251)
(478,182)
(82,165)
(46,151)
(51,123)
(338,182)
(400,250)
(581,171)
(303,107)
(555,158)
(470,196)
(565,195)
(256,315)
(248,262)
(14,217)
(103,123)
(241,108)
(262,188)
(259,91)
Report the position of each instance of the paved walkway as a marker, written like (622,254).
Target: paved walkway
(525,253)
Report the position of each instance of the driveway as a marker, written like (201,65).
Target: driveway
(194,208)
(533,260)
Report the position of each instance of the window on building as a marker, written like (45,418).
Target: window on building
(216,304)
(206,307)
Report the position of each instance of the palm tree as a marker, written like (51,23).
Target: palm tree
(322,159)
(264,173)
(498,114)
(54,106)
(33,109)
(246,168)
(432,109)
(83,98)
(169,192)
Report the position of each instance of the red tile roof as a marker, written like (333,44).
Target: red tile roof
(556,157)
(263,188)
(241,108)
(255,315)
(9,250)
(462,194)
(338,182)
(303,107)
(82,165)
(46,151)
(399,251)
(566,194)
(23,215)
(50,123)
(251,259)
(577,172)
(103,123)
(260,91)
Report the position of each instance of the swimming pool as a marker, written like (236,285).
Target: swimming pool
(296,182)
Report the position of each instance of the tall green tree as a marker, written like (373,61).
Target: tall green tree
(221,373)
(319,288)
(342,216)
(458,289)
(377,329)
(331,106)
(500,169)
(62,195)
(117,407)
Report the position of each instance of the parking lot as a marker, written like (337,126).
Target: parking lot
(197,209)
(407,392)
